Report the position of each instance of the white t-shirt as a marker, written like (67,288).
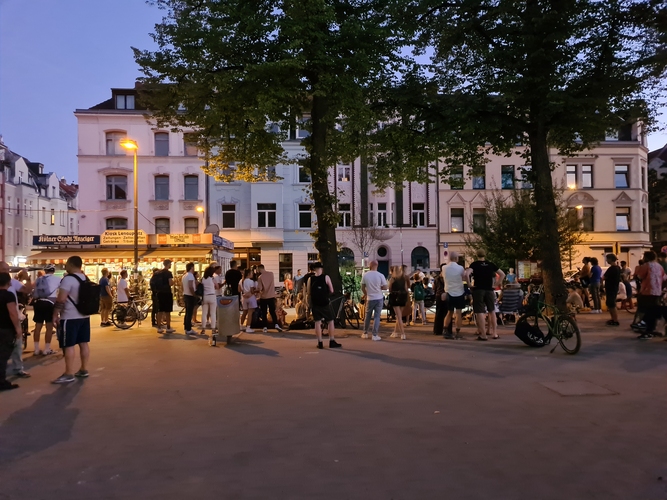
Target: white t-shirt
(454,279)
(187,287)
(248,285)
(71,286)
(218,281)
(53,285)
(121,291)
(209,286)
(15,287)
(374,282)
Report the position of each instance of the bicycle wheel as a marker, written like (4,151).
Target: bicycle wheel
(123,318)
(568,335)
(351,316)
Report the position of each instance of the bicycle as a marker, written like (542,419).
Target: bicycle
(560,325)
(124,316)
(346,311)
(24,325)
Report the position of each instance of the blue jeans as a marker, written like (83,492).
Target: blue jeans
(373,307)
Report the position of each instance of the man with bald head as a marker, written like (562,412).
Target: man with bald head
(15,287)
(372,285)
(455,295)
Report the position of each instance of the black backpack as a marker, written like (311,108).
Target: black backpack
(319,290)
(89,296)
(530,334)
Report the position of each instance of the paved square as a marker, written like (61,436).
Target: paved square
(577,388)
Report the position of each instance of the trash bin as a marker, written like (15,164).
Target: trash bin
(228,316)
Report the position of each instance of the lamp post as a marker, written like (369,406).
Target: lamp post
(201,210)
(131,145)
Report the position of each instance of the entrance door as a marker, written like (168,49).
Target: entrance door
(383,267)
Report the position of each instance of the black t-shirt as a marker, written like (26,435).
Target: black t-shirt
(305,279)
(484,274)
(7,299)
(612,277)
(233,277)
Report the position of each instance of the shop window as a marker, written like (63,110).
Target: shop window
(623,219)
(621,176)
(266,215)
(457,220)
(456,178)
(344,215)
(507,177)
(284,265)
(229,216)
(418,215)
(478,219)
(587,176)
(116,223)
(161,187)
(305,216)
(162,226)
(191,190)
(116,187)
(113,143)
(161,144)
(191,225)
(588,219)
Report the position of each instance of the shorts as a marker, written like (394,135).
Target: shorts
(73,331)
(165,302)
(398,299)
(483,301)
(249,303)
(610,298)
(628,290)
(43,311)
(106,303)
(323,313)
(456,302)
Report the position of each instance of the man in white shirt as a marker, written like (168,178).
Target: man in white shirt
(121,290)
(15,287)
(372,284)
(189,288)
(455,295)
(44,297)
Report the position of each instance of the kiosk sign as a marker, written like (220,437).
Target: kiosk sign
(123,237)
(66,239)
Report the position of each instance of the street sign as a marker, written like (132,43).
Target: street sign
(445,245)
(66,239)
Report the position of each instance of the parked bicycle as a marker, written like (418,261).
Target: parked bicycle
(124,316)
(560,325)
(345,311)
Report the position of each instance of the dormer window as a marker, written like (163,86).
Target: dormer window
(124,102)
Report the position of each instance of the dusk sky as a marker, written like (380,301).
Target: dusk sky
(60,55)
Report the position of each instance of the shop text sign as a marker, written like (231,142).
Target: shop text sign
(66,239)
(123,237)
(180,239)
(222,242)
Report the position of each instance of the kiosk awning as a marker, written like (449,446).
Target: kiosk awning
(179,254)
(88,256)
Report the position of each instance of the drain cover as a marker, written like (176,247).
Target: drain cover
(577,388)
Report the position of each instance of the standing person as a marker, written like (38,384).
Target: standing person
(398,297)
(440,302)
(418,295)
(662,260)
(289,288)
(267,297)
(219,279)
(612,282)
(372,284)
(106,300)
(45,294)
(585,280)
(248,299)
(652,276)
(189,297)
(16,287)
(122,291)
(163,282)
(197,299)
(73,326)
(10,328)
(209,306)
(486,275)
(625,281)
(456,300)
(304,282)
(511,277)
(298,283)
(232,278)
(319,289)
(596,279)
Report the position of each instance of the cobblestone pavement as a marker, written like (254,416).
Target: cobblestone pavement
(274,418)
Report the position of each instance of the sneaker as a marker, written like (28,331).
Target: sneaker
(403,337)
(377,337)
(278,328)
(190,332)
(394,335)
(64,379)
(8,386)
(365,335)
(249,330)
(22,374)
(448,336)
(203,332)
(37,352)
(104,325)
(170,330)
(333,344)
(265,330)
(48,352)
(161,331)
(319,345)
(81,374)
(645,336)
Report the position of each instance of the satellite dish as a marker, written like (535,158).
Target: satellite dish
(212,229)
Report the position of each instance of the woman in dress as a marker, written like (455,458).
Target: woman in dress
(248,287)
(289,288)
(398,297)
(209,306)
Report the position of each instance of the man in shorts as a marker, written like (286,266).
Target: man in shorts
(319,288)
(486,276)
(47,288)
(456,301)
(73,328)
(612,282)
(164,281)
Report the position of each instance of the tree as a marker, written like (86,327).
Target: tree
(511,231)
(244,75)
(366,238)
(541,73)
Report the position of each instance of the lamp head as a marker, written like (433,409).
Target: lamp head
(200,209)
(129,144)
(579,207)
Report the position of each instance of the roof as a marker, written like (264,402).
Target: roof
(70,190)
(658,157)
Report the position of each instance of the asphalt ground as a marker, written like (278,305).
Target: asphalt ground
(274,418)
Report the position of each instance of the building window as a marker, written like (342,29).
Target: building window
(479,181)
(418,215)
(644,221)
(116,187)
(456,178)
(25,207)
(382,215)
(229,216)
(621,176)
(53,216)
(370,214)
(191,225)
(116,223)
(571,179)
(587,176)
(18,206)
(18,237)
(190,149)
(32,215)
(588,219)
(525,172)
(301,132)
(305,216)
(161,144)
(71,225)
(161,187)
(344,215)
(643,178)
(113,143)
(623,219)
(457,220)
(191,190)
(478,219)
(162,226)
(344,174)
(507,177)
(313,257)
(284,265)
(9,205)
(266,215)
(62,218)
(124,102)
(43,215)
(304,176)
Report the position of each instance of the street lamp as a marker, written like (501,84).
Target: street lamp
(131,145)
(200,209)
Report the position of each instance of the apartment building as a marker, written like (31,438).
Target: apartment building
(657,161)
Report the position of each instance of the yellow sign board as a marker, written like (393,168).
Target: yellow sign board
(123,237)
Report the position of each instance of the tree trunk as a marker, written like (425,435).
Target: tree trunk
(547,212)
(326,219)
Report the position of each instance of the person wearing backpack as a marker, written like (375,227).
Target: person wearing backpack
(418,295)
(319,289)
(78,298)
(45,293)
(161,284)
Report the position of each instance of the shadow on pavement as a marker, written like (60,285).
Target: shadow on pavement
(17,434)
(251,348)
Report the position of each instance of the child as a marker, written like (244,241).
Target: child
(280,312)
(574,301)
(300,307)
